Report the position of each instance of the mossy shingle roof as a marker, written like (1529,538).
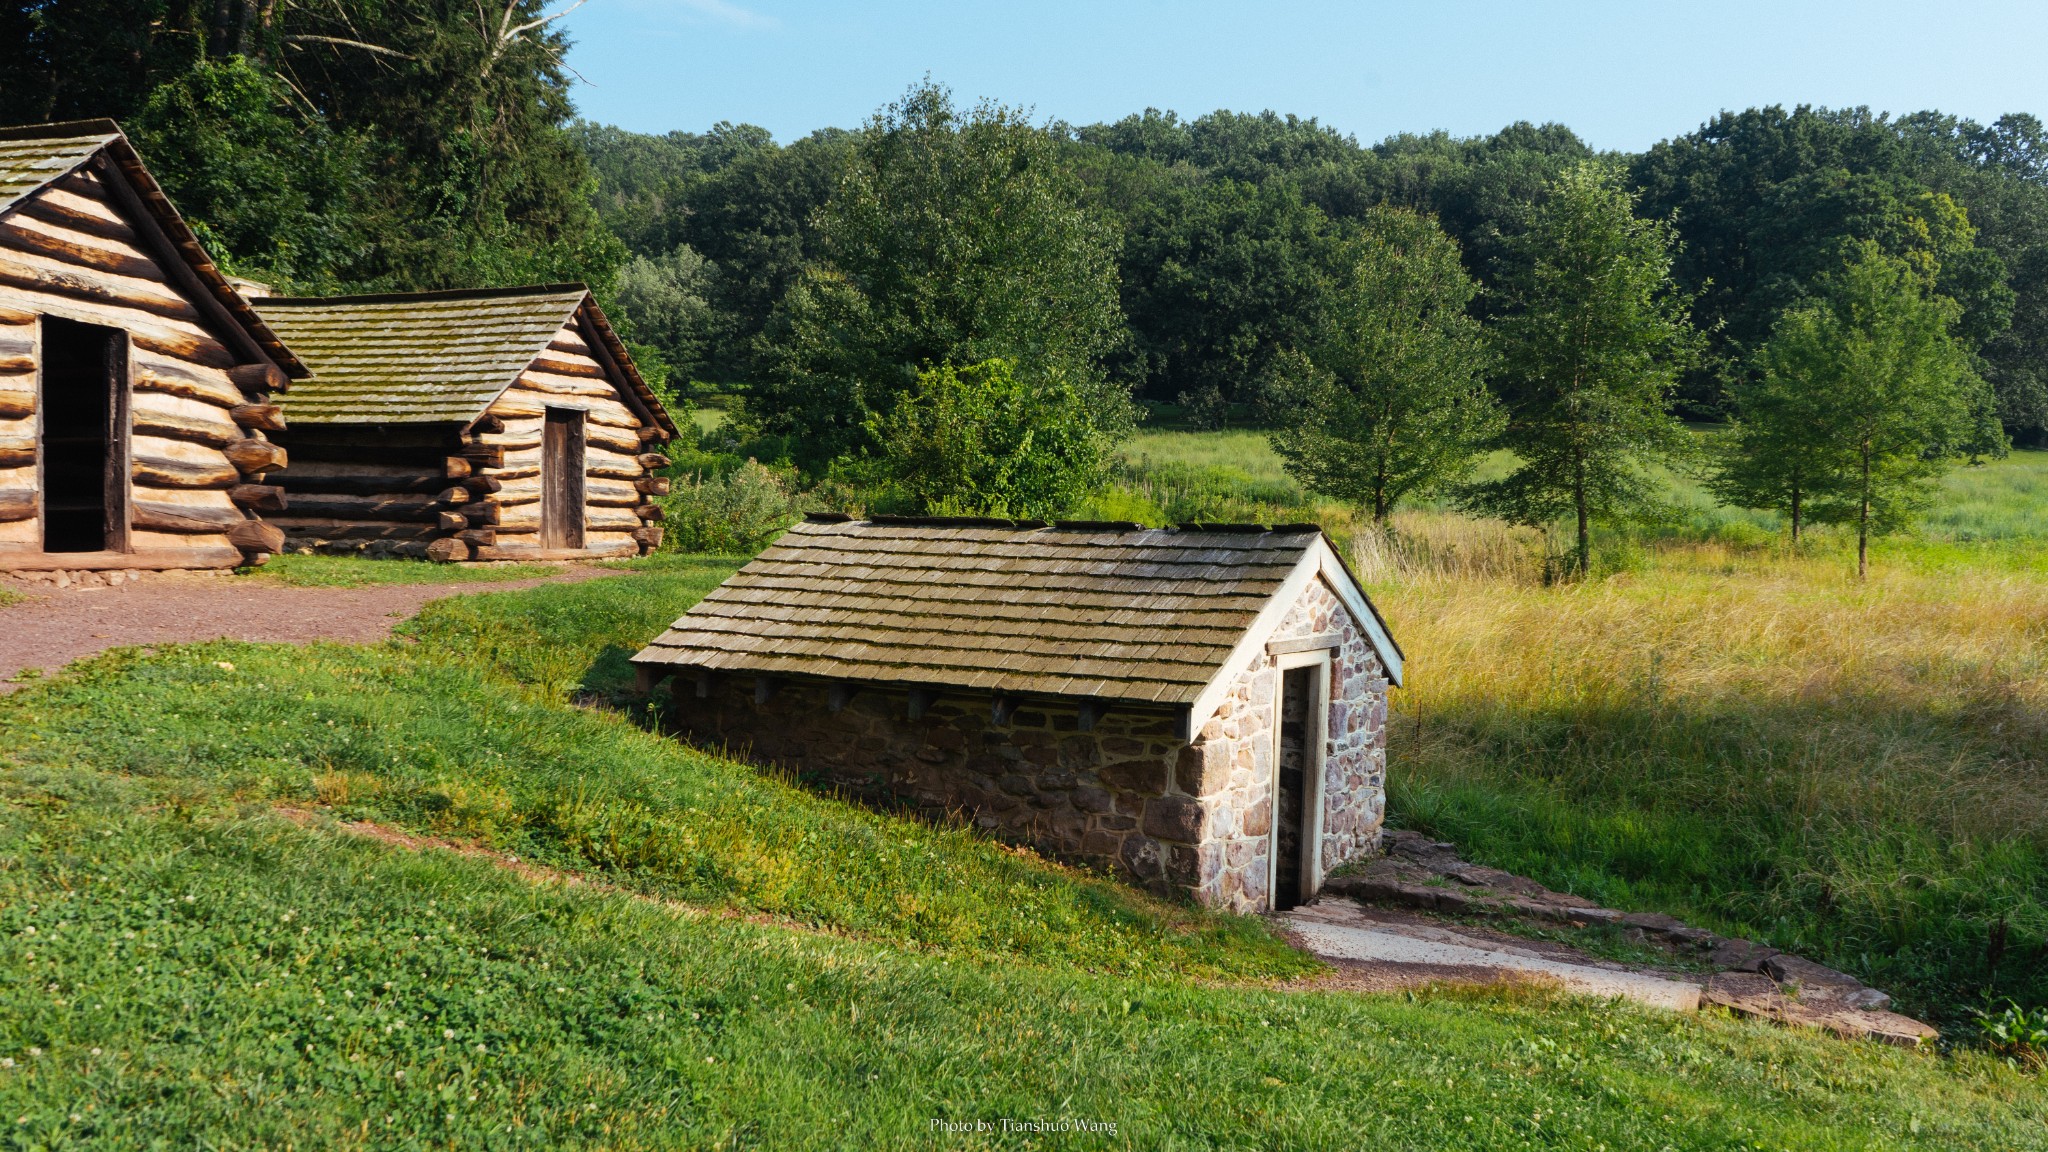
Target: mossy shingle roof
(34,156)
(426,358)
(1123,613)
(433,357)
(28,164)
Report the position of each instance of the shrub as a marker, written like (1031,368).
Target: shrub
(2016,1033)
(984,440)
(736,513)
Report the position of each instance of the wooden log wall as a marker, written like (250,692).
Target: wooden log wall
(620,518)
(69,251)
(429,491)
(352,489)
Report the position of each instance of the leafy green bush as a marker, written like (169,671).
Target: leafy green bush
(735,513)
(983,440)
(2016,1033)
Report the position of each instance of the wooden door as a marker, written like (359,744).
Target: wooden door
(561,480)
(82,437)
(1301,725)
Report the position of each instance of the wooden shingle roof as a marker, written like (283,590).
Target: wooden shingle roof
(1114,612)
(434,357)
(34,156)
(28,164)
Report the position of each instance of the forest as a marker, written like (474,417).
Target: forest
(964,308)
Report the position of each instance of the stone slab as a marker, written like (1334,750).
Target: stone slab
(1388,946)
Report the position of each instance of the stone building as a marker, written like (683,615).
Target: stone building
(1201,710)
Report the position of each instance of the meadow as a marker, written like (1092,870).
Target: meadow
(195,950)
(1722,726)
(691,952)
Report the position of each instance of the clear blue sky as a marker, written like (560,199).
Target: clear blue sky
(1623,74)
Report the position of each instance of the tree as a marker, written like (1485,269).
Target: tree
(1868,386)
(1768,202)
(951,238)
(1217,279)
(1775,452)
(1592,345)
(982,440)
(1391,397)
(430,149)
(665,299)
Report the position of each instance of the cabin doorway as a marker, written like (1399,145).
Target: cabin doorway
(83,436)
(561,479)
(1297,776)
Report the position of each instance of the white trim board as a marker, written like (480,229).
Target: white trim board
(1318,561)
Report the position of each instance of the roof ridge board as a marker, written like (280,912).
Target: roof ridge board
(897,562)
(559,288)
(60,130)
(1025,558)
(1112,553)
(1118,592)
(1069,571)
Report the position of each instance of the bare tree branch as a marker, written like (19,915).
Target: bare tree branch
(308,37)
(545,20)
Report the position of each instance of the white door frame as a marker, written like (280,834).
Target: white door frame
(1315,756)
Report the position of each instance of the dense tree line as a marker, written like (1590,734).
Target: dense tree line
(1230,230)
(1393,310)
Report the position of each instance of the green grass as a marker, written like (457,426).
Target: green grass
(202,973)
(1236,470)
(1759,744)
(9,596)
(356,572)
(771,969)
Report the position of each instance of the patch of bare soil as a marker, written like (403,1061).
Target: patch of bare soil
(53,627)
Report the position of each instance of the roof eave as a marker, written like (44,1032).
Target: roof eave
(187,260)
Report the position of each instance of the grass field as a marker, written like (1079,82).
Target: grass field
(1238,470)
(183,963)
(356,572)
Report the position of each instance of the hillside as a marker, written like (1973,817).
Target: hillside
(214,956)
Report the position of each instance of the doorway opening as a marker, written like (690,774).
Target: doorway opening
(1295,796)
(561,478)
(84,457)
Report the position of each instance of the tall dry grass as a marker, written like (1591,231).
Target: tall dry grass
(1749,737)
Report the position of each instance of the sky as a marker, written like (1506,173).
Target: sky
(1624,75)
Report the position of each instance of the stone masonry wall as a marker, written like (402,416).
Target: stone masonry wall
(1231,763)
(1129,796)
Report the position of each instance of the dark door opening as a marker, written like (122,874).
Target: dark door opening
(561,478)
(1293,793)
(84,435)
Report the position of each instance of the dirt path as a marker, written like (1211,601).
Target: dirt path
(54,627)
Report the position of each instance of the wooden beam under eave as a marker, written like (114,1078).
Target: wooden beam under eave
(764,687)
(838,696)
(921,701)
(1090,713)
(1001,709)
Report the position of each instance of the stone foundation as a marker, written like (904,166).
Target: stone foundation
(1176,816)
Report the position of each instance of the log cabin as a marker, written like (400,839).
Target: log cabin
(490,424)
(136,382)
(1201,710)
